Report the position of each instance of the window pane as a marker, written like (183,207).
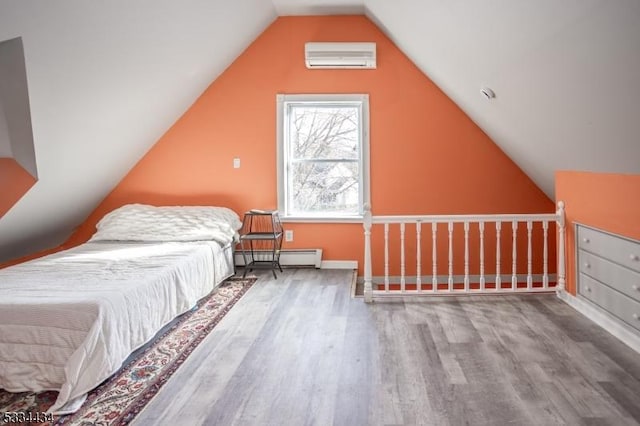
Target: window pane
(323,132)
(319,188)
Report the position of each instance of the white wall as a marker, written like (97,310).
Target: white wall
(106,80)
(14,95)
(5,142)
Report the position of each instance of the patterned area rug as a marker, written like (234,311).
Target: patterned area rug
(120,398)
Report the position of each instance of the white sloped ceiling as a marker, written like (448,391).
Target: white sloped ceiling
(565,75)
(319,7)
(106,80)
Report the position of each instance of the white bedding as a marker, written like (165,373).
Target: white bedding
(69,320)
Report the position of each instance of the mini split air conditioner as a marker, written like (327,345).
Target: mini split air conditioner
(340,55)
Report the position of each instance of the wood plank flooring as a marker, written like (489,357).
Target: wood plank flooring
(300,351)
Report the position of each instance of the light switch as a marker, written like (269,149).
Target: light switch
(236,163)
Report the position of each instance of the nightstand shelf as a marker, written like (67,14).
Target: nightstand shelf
(261,240)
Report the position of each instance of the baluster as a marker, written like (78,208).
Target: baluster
(498,277)
(367,223)
(514,255)
(529,255)
(466,256)
(434,257)
(545,255)
(418,256)
(481,229)
(386,257)
(450,280)
(402,270)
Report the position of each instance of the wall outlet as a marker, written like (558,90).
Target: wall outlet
(236,163)
(288,235)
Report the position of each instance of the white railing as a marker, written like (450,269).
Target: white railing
(490,279)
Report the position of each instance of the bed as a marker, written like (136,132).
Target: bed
(70,319)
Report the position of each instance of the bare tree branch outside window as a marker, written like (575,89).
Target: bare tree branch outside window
(324,144)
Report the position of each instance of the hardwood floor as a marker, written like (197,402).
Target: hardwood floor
(300,351)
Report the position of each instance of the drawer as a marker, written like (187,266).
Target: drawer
(618,277)
(617,249)
(619,305)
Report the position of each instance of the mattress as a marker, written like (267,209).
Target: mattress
(69,320)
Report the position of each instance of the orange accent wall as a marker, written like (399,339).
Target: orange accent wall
(427,156)
(14,183)
(610,202)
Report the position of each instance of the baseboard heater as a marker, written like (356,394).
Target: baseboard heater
(288,257)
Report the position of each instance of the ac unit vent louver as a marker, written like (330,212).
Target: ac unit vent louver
(340,55)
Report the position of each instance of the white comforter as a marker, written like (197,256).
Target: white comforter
(69,320)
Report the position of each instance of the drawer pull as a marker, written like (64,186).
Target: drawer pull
(587,265)
(635,287)
(634,257)
(589,289)
(586,240)
(636,317)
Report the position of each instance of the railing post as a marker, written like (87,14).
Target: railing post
(514,255)
(482,279)
(403,279)
(498,276)
(434,257)
(560,286)
(450,280)
(368,286)
(545,255)
(386,257)
(529,256)
(419,256)
(466,256)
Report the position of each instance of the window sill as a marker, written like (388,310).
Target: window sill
(297,219)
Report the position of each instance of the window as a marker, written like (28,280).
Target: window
(323,156)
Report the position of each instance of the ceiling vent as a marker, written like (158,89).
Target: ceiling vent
(340,55)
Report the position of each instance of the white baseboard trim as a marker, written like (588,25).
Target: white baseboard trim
(605,320)
(288,257)
(339,264)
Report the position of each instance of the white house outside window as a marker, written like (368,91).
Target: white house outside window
(323,156)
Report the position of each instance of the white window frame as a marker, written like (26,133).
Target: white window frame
(283,101)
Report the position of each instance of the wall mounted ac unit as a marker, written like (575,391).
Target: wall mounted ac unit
(340,55)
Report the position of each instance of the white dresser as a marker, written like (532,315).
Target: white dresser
(608,269)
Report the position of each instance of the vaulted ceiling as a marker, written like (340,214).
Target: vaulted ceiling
(107,79)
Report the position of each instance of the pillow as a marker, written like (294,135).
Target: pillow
(140,222)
